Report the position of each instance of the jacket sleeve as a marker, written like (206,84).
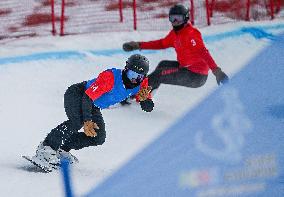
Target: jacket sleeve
(158,44)
(208,58)
(203,50)
(104,83)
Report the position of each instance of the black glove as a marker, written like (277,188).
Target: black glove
(221,77)
(147,105)
(130,46)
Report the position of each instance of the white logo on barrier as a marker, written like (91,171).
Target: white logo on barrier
(195,178)
(230,126)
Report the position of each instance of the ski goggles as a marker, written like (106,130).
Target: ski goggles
(134,77)
(176,19)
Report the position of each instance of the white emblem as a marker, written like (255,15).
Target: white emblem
(94,88)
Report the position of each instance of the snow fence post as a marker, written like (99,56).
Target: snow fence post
(134,15)
(66,178)
(120,11)
(208,12)
(62,20)
(248,10)
(52,18)
(192,12)
(272,9)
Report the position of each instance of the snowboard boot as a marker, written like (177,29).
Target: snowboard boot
(46,156)
(62,154)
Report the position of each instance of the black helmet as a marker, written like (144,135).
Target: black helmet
(138,63)
(179,9)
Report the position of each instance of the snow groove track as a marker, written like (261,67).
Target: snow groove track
(256,31)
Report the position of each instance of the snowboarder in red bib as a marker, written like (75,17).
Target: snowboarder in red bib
(83,102)
(193,59)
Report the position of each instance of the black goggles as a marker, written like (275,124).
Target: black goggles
(134,76)
(177,19)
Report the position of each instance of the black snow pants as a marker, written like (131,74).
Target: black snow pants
(66,135)
(169,72)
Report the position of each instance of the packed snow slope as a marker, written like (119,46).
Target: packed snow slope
(36,72)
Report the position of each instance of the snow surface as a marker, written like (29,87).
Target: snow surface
(31,104)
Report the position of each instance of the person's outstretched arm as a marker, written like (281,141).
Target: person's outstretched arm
(154,44)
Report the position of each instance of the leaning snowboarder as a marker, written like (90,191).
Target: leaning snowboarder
(83,102)
(193,58)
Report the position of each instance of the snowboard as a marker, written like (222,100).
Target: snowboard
(48,167)
(44,168)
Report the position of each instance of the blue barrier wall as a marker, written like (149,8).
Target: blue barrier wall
(232,144)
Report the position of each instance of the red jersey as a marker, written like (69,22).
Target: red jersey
(190,49)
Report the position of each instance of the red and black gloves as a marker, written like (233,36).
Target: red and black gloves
(143,93)
(221,77)
(130,46)
(146,103)
(89,128)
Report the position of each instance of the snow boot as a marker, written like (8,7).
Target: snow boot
(46,156)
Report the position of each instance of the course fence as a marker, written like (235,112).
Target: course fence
(61,17)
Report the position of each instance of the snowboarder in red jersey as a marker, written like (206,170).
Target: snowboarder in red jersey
(193,59)
(83,102)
